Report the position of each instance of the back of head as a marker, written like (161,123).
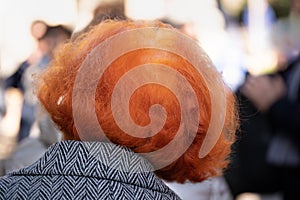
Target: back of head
(57,32)
(38,28)
(146,86)
(54,36)
(114,10)
(109,10)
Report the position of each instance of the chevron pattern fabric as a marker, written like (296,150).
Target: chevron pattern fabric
(86,170)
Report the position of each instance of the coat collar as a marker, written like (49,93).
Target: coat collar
(96,160)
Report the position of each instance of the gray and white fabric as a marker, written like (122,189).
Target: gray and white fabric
(86,170)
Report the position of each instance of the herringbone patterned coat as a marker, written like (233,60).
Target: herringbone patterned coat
(85,170)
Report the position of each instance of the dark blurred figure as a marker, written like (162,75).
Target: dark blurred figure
(267,157)
(48,38)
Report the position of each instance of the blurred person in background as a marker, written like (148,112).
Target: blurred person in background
(267,158)
(42,132)
(113,10)
(48,38)
(36,132)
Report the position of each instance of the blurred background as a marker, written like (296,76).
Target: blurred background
(254,44)
(210,21)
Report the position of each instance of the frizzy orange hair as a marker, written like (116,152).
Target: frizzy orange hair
(56,87)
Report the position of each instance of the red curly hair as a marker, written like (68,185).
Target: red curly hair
(56,87)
